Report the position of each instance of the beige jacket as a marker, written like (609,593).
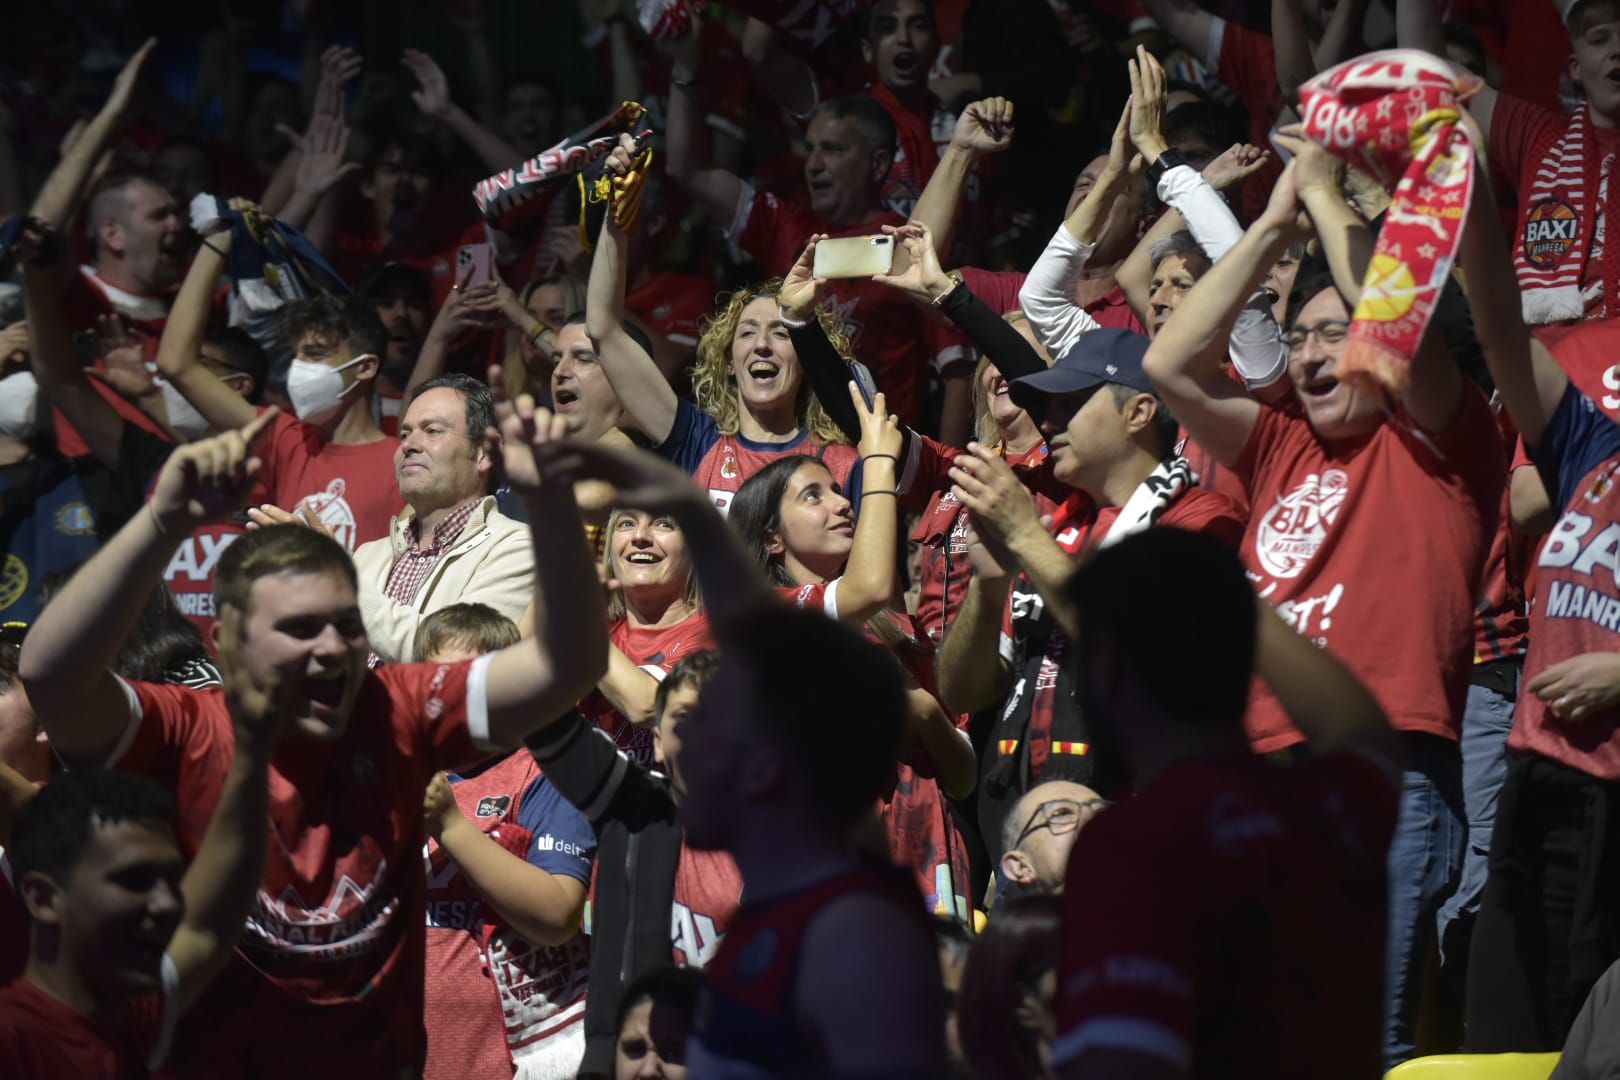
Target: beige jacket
(491,562)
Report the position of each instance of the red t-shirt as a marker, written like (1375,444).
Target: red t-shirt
(1576,604)
(493,994)
(352,487)
(675,305)
(897,339)
(916,816)
(1248,67)
(333,949)
(708,889)
(1501,617)
(1230,921)
(998,289)
(1523,138)
(656,650)
(1335,531)
(43,1039)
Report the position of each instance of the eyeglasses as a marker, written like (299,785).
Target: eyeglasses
(1329,333)
(1060,815)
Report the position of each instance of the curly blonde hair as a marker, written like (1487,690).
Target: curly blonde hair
(715,387)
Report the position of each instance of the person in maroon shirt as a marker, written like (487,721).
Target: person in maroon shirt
(1193,940)
(123,936)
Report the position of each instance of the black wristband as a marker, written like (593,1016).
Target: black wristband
(1166,161)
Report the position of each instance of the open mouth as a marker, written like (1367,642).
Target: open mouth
(999,388)
(763,370)
(905,63)
(1321,386)
(819,185)
(643,558)
(326,690)
(563,399)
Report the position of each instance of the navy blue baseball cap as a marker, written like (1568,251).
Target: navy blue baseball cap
(1103,355)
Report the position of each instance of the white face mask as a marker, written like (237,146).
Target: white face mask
(316,390)
(185,422)
(19,405)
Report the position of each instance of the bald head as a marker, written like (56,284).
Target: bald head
(1039,832)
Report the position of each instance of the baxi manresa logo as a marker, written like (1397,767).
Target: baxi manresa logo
(1290,533)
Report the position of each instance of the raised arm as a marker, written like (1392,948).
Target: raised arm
(542,906)
(224,877)
(433,98)
(827,372)
(1418,26)
(538,679)
(1526,375)
(50,352)
(985,127)
(181,345)
(642,389)
(628,688)
(64,188)
(1184,360)
(790,80)
(1047,297)
(67,658)
(871,576)
(971,669)
(717,191)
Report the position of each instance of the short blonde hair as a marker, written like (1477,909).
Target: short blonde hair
(714,386)
(616,605)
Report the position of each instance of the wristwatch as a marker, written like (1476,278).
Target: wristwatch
(1165,162)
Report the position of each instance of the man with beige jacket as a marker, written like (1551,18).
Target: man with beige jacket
(451,545)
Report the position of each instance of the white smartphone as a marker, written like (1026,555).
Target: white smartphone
(854,257)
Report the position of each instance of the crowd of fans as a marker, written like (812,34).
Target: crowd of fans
(488,592)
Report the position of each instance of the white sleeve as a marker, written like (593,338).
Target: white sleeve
(740,215)
(1256,346)
(171,1015)
(1212,51)
(1208,218)
(1048,293)
(478,702)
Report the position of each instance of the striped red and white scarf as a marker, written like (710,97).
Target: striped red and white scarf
(1557,221)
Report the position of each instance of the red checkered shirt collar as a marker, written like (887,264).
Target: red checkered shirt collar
(413,565)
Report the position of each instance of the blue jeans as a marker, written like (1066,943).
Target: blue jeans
(1425,857)
(1487,719)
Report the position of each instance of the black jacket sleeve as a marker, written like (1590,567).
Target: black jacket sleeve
(828,375)
(1012,354)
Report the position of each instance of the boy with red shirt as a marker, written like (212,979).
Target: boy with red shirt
(332,460)
(1326,475)
(1561,166)
(122,944)
(1194,915)
(1547,928)
(334,944)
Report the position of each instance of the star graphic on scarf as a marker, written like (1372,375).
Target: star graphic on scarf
(1450,197)
(1385,108)
(1427,250)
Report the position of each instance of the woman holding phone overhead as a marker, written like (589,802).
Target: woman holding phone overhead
(754,404)
(1007,350)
